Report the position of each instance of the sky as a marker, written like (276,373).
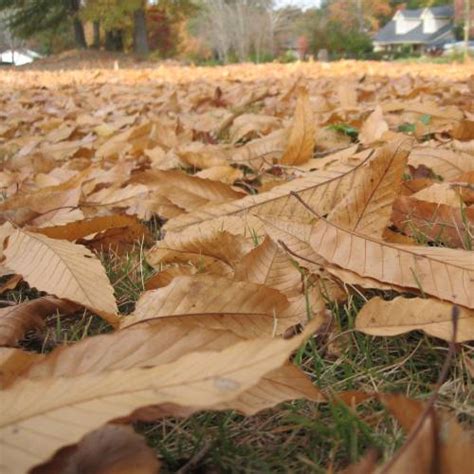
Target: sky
(299,3)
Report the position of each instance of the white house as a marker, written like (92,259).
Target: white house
(421,29)
(18,57)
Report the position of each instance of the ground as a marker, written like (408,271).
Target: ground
(59,115)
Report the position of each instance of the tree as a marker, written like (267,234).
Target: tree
(140,36)
(363,15)
(28,17)
(239,28)
(126,22)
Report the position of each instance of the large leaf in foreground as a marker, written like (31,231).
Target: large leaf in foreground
(389,318)
(447,274)
(63,269)
(40,416)
(161,341)
(322,189)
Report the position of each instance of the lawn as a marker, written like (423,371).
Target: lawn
(252,266)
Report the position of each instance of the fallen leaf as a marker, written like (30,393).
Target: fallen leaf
(374,127)
(247,309)
(62,269)
(268,265)
(80,229)
(366,208)
(112,449)
(322,188)
(16,320)
(301,135)
(207,249)
(449,225)
(446,163)
(196,379)
(400,315)
(447,274)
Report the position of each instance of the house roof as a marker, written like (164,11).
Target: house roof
(24,51)
(415,36)
(444,11)
(412,13)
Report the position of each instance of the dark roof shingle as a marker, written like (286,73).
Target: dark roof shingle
(387,35)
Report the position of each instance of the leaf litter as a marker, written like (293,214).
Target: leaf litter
(243,222)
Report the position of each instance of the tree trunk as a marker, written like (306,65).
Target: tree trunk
(79,35)
(140,37)
(96,43)
(114,40)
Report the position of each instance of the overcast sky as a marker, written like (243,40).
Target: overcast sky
(299,3)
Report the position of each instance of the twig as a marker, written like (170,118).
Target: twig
(429,409)
(307,206)
(196,459)
(291,252)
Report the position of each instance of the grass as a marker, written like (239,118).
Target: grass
(303,436)
(297,436)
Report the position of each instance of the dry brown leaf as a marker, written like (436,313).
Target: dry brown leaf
(268,265)
(439,193)
(83,403)
(248,309)
(16,320)
(80,229)
(112,449)
(47,202)
(446,163)
(429,221)
(322,189)
(415,185)
(14,362)
(464,185)
(440,440)
(347,94)
(11,283)
(447,274)
(390,318)
(208,249)
(164,278)
(261,151)
(301,134)
(224,174)
(63,269)
(200,155)
(374,127)
(160,342)
(151,343)
(187,192)
(366,208)
(250,125)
